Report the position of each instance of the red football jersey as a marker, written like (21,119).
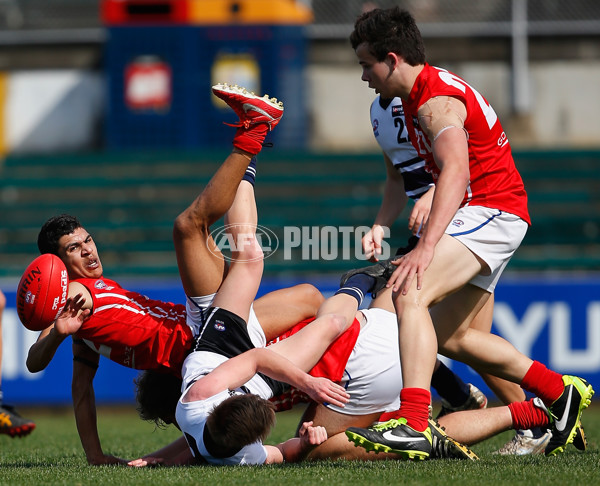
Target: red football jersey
(494,179)
(332,363)
(133,330)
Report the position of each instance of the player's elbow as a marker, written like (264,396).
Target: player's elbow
(32,365)
(34,362)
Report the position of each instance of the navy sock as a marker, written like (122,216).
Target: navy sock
(449,386)
(357,286)
(250,174)
(537,432)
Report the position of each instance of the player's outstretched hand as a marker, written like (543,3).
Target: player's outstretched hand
(72,316)
(146,462)
(323,390)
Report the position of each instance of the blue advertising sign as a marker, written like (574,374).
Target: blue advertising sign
(555,321)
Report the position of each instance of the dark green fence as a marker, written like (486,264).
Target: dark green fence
(129,201)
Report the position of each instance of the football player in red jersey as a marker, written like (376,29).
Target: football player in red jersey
(371,377)
(408,179)
(477,221)
(142,333)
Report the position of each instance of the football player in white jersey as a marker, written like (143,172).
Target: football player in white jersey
(370,379)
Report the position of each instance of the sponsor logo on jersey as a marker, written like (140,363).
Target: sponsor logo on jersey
(398,110)
(376,127)
(458,223)
(101,285)
(219,325)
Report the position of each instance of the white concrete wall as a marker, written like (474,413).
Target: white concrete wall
(565,104)
(54,111)
(339,109)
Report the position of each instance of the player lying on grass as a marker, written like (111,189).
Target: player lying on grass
(135,331)
(369,377)
(167,332)
(224,412)
(230,370)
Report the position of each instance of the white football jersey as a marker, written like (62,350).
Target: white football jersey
(372,375)
(389,128)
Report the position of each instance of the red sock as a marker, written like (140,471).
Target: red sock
(385,416)
(251,139)
(414,407)
(544,383)
(526,415)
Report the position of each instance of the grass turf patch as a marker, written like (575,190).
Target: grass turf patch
(52,454)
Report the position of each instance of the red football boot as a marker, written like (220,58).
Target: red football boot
(258,115)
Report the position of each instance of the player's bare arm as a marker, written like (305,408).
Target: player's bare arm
(77,308)
(441,119)
(85,363)
(420,212)
(441,113)
(238,370)
(177,453)
(394,196)
(392,204)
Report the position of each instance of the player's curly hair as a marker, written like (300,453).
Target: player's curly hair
(156,395)
(239,421)
(389,30)
(53,230)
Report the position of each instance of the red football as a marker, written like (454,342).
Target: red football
(42,292)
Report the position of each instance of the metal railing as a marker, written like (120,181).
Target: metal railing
(68,21)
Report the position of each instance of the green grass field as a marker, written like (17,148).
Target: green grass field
(53,455)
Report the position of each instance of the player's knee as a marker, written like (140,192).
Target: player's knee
(310,296)
(247,249)
(410,301)
(187,225)
(337,324)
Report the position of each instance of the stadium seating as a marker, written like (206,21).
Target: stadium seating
(129,201)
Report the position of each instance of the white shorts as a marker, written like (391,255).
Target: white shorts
(492,235)
(195,306)
(372,376)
